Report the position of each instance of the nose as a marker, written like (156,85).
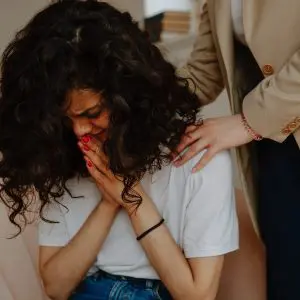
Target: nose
(82,127)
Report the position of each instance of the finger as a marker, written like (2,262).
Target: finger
(95,158)
(189,139)
(193,150)
(205,159)
(191,128)
(98,176)
(92,144)
(194,126)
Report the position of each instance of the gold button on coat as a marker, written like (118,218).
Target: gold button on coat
(268,70)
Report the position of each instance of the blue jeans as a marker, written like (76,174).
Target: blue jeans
(104,286)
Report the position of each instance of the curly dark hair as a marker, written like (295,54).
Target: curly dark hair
(84,45)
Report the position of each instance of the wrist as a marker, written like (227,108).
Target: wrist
(131,207)
(251,132)
(109,207)
(134,209)
(145,216)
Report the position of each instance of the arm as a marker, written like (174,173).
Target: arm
(210,227)
(196,278)
(62,268)
(203,66)
(272,109)
(210,231)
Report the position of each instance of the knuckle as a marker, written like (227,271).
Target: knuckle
(193,148)
(187,138)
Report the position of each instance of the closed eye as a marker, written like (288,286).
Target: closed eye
(93,112)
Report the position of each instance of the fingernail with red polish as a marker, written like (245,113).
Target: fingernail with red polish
(85,139)
(89,164)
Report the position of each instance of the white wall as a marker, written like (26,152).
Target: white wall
(13,15)
(135,7)
(153,7)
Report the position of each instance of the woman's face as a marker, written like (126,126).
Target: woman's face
(87,114)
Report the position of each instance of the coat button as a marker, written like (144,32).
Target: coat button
(268,70)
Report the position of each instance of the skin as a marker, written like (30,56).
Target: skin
(196,278)
(215,135)
(87,114)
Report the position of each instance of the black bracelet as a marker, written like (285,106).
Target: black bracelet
(150,229)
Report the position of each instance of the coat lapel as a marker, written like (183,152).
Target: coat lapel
(222,25)
(252,11)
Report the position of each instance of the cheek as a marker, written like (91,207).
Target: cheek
(102,121)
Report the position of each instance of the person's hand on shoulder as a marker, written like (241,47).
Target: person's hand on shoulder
(215,135)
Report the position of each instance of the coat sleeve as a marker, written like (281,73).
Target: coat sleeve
(202,68)
(272,109)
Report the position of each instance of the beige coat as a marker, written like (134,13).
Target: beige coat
(272,32)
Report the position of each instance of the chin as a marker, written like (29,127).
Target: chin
(101,136)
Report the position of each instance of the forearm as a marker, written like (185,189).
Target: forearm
(273,106)
(64,271)
(164,254)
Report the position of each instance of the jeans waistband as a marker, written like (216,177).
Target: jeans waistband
(145,283)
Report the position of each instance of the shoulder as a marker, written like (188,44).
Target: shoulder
(219,166)
(215,180)
(211,227)
(217,175)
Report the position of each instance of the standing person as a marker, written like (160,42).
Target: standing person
(90,112)
(252,48)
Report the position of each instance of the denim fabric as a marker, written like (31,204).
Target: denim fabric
(104,286)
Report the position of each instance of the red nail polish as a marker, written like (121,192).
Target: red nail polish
(86,148)
(89,164)
(85,139)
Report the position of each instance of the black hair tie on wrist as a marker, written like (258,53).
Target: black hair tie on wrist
(150,229)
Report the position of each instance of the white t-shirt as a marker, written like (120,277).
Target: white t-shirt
(199,210)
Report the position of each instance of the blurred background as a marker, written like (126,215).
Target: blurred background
(173,25)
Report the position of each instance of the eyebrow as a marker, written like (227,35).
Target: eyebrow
(87,111)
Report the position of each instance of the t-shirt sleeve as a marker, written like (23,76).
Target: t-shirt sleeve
(211,226)
(54,234)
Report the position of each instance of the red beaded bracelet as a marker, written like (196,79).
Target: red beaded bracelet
(254,135)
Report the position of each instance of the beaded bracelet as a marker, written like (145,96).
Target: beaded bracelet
(254,135)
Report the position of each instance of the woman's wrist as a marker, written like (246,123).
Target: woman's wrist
(145,216)
(132,207)
(109,207)
(254,135)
